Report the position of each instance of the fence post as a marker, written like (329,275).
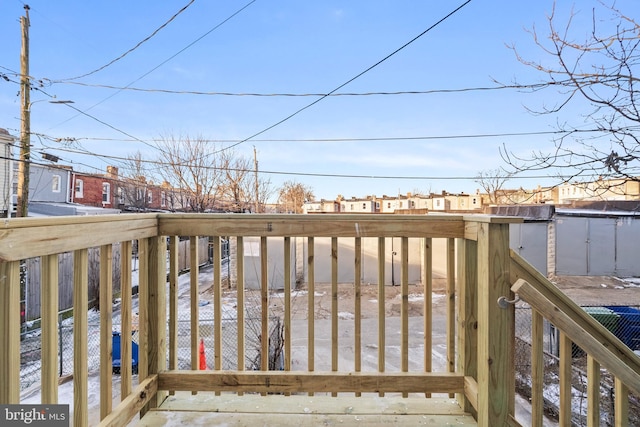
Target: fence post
(496,378)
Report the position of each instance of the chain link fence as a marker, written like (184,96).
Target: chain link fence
(626,330)
(31,342)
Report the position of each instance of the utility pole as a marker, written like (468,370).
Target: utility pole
(25,131)
(255,165)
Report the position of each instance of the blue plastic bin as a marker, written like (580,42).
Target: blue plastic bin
(628,330)
(116,363)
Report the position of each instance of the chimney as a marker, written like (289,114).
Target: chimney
(112,171)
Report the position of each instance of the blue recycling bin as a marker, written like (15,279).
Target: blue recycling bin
(116,359)
(628,330)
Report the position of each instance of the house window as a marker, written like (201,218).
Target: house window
(150,197)
(121,196)
(388,205)
(163,199)
(351,206)
(401,205)
(438,203)
(364,206)
(79,189)
(55,183)
(106,191)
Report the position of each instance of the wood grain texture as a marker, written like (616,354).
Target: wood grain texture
(301,381)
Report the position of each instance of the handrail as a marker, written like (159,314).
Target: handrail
(577,324)
(480,244)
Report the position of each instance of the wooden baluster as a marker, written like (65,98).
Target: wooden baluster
(593,392)
(537,369)
(173,304)
(565,380)
(621,392)
(10,330)
(381,305)
(80,337)
(311,305)
(404,306)
(287,305)
(217,303)
(125,320)
(334,306)
(427,283)
(451,307)
(358,307)
(264,293)
(240,302)
(194,296)
(106,332)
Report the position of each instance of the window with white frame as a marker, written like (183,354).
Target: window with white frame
(106,193)
(121,195)
(79,189)
(150,197)
(55,183)
(163,199)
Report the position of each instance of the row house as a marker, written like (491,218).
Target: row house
(599,190)
(98,190)
(402,203)
(393,204)
(447,202)
(357,205)
(124,193)
(323,206)
(522,196)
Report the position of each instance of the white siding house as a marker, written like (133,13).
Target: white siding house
(6,175)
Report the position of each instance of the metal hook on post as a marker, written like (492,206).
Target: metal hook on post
(503,302)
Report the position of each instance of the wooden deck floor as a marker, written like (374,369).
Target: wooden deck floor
(206,409)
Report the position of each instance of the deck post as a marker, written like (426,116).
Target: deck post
(10,329)
(495,325)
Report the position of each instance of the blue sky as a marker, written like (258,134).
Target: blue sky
(294,47)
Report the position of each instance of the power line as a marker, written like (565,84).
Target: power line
(308,174)
(146,39)
(535,86)
(170,58)
(355,139)
(351,79)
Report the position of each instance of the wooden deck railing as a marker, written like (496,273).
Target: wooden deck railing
(478,267)
(604,350)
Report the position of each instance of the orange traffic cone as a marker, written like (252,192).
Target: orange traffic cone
(203,360)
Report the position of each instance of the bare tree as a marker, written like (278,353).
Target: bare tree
(134,181)
(238,182)
(189,165)
(492,182)
(264,191)
(603,70)
(292,196)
